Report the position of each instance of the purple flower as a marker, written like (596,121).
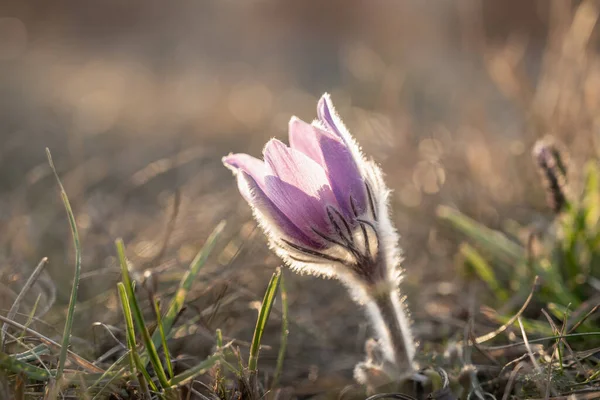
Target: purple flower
(314,198)
(323,207)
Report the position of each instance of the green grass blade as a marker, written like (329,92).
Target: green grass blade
(483,270)
(554,286)
(219,339)
(77,359)
(129,328)
(114,377)
(145,379)
(185,285)
(110,369)
(284,332)
(591,196)
(163,337)
(139,318)
(195,370)
(574,230)
(134,358)
(31,316)
(32,354)
(531,326)
(263,317)
(62,358)
(494,241)
(559,311)
(16,366)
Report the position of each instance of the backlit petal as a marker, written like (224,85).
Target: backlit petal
(299,187)
(269,216)
(336,159)
(329,118)
(251,165)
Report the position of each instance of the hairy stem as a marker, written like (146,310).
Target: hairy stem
(392,325)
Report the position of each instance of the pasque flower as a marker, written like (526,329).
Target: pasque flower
(324,208)
(553,170)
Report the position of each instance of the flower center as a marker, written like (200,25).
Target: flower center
(352,241)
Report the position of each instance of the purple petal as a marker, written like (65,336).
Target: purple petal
(306,138)
(273,218)
(298,187)
(336,159)
(326,112)
(251,165)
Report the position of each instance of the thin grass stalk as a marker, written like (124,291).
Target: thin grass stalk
(263,317)
(219,339)
(196,370)
(130,335)
(284,332)
(19,388)
(31,315)
(134,359)
(185,285)
(98,395)
(15,306)
(33,353)
(62,358)
(76,358)
(163,336)
(82,389)
(139,318)
(110,369)
(22,336)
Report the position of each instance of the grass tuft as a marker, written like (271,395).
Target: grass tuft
(138,317)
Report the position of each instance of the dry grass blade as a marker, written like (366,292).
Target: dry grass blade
(115,376)
(544,339)
(483,351)
(580,396)
(537,367)
(83,363)
(557,346)
(15,306)
(398,396)
(469,368)
(585,317)
(549,372)
(491,335)
(19,388)
(528,347)
(564,342)
(511,380)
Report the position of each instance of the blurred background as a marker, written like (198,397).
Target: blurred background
(138,102)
